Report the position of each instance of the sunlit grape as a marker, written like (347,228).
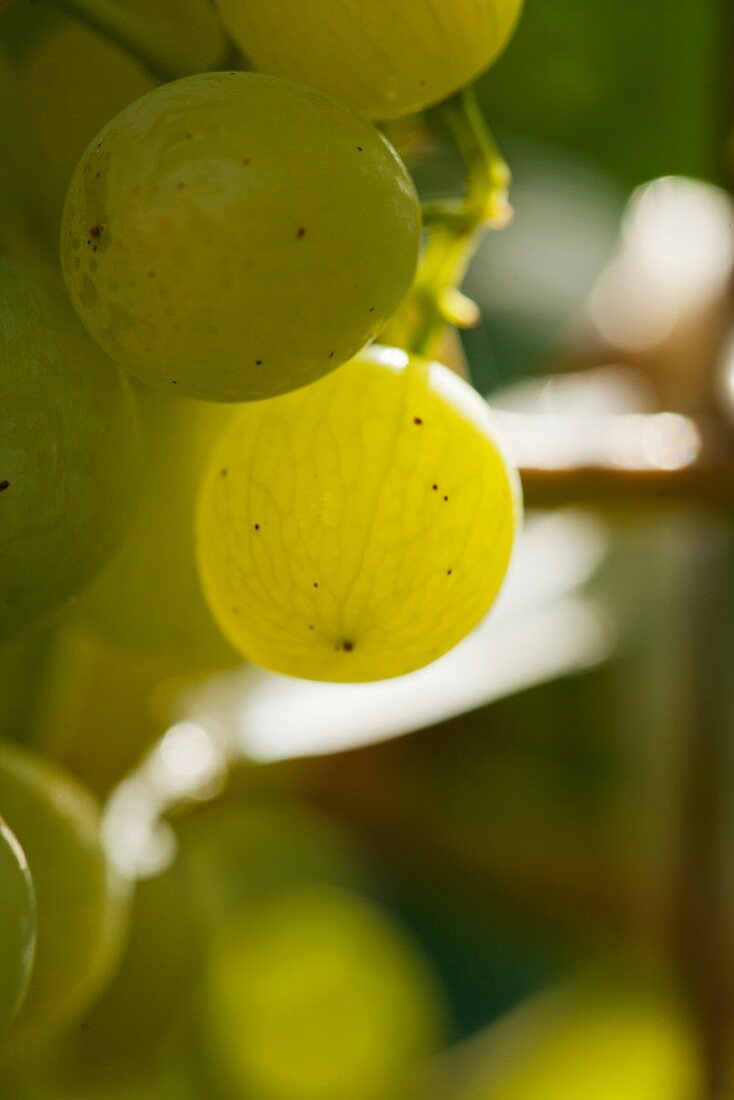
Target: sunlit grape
(68,452)
(148,599)
(231,236)
(386,58)
(78,899)
(17,925)
(314,995)
(359,528)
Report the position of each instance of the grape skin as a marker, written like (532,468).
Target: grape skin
(17,926)
(385,58)
(148,599)
(236,236)
(68,452)
(359,528)
(80,903)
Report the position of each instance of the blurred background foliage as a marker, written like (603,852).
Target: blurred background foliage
(485,908)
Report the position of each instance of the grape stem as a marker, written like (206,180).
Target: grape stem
(164,59)
(455,228)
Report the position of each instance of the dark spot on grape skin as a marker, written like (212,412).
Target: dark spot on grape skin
(434,487)
(174,381)
(449,572)
(417,420)
(96,231)
(245,160)
(347,647)
(223,472)
(257,526)
(180,185)
(310,626)
(331,355)
(301,233)
(4,484)
(258,362)
(360,149)
(316,584)
(151,274)
(188,135)
(372,309)
(445,498)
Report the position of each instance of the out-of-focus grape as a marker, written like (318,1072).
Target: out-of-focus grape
(68,452)
(148,599)
(314,995)
(234,853)
(595,1040)
(80,902)
(17,925)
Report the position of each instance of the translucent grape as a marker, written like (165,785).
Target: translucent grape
(236,236)
(386,58)
(68,452)
(314,995)
(79,902)
(359,528)
(148,599)
(17,925)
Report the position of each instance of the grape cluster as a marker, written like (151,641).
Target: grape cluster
(240,238)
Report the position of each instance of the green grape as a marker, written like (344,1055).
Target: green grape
(385,58)
(68,452)
(359,528)
(237,236)
(17,926)
(70,81)
(148,599)
(62,106)
(594,1041)
(314,995)
(79,900)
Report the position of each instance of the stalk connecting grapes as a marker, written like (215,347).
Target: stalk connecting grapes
(248,238)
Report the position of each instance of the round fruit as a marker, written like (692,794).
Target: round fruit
(68,451)
(78,900)
(359,528)
(314,995)
(235,236)
(17,925)
(148,599)
(385,58)
(62,106)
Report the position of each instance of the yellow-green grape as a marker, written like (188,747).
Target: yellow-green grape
(600,1042)
(386,58)
(68,452)
(359,528)
(71,81)
(232,236)
(148,599)
(314,995)
(68,85)
(17,925)
(79,901)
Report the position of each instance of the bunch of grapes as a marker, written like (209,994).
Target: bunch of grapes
(326,506)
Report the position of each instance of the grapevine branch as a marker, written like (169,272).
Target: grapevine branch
(455,227)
